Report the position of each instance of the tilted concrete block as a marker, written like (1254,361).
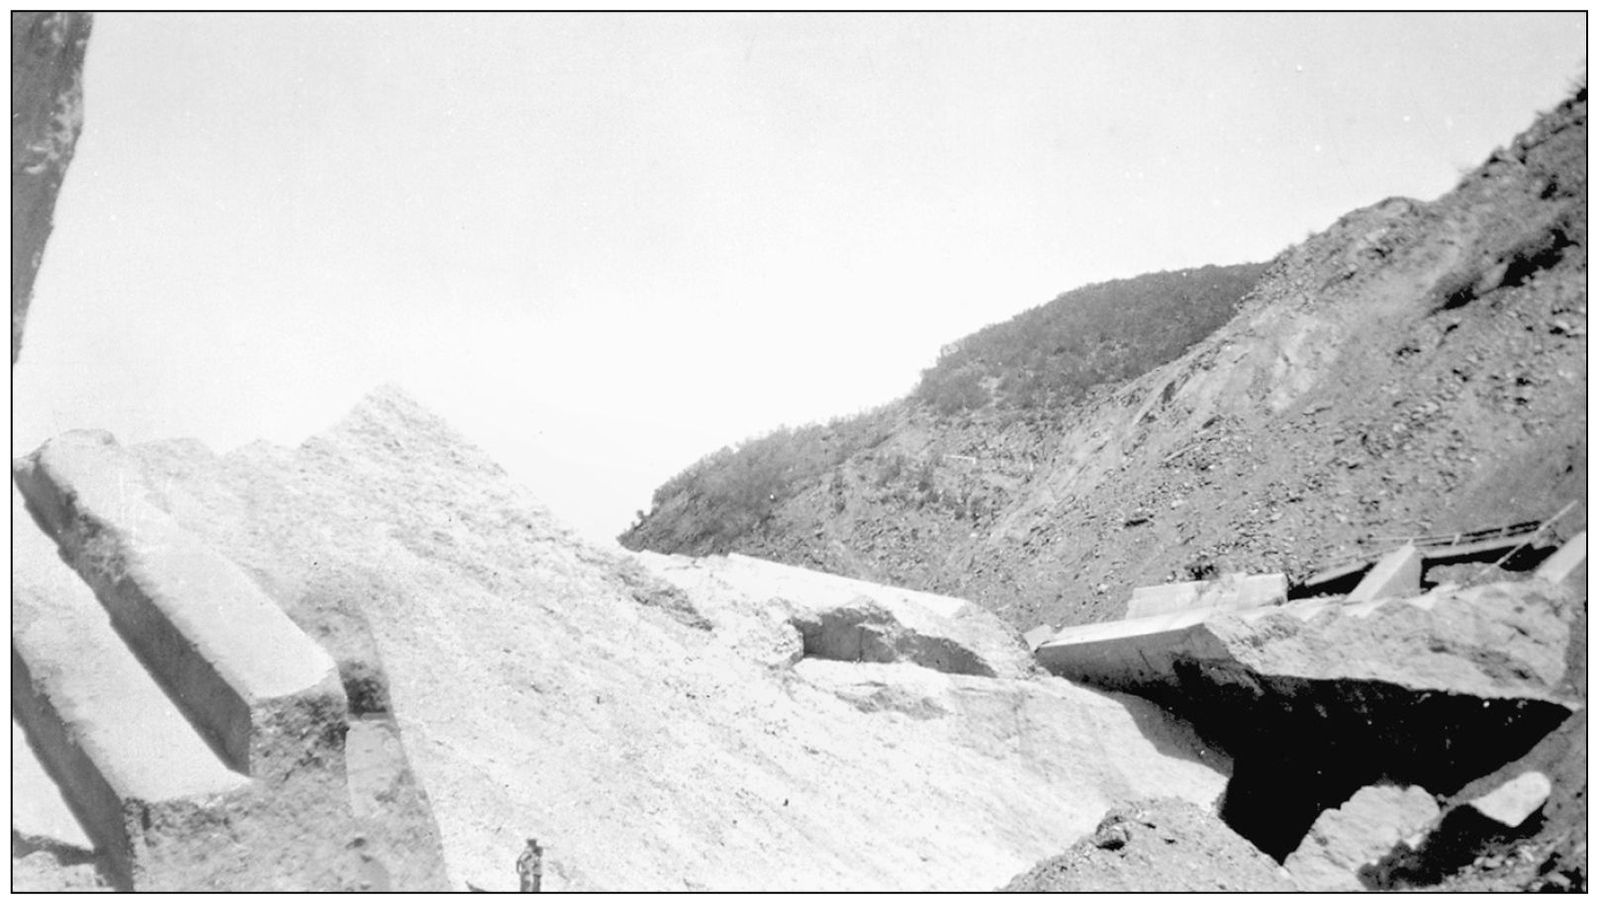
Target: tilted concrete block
(110,737)
(1399,573)
(1385,640)
(259,687)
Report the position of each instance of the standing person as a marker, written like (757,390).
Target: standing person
(528,868)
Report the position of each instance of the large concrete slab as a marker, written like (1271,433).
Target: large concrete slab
(1399,573)
(259,687)
(1235,590)
(112,740)
(1418,642)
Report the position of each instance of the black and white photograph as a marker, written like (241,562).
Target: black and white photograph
(799,451)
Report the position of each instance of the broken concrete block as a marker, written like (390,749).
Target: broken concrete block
(1515,801)
(1235,590)
(1360,833)
(858,621)
(1567,566)
(1399,573)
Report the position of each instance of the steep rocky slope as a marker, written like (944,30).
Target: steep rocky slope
(1416,368)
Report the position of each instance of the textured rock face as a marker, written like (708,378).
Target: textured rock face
(653,735)
(47,50)
(1363,831)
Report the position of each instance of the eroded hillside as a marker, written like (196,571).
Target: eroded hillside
(1416,368)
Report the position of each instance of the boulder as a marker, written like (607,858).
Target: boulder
(1514,801)
(1363,831)
(654,735)
(47,50)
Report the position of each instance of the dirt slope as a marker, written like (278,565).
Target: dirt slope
(1416,368)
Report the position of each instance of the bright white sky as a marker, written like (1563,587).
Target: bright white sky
(605,245)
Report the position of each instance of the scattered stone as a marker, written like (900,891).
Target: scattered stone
(1361,832)
(1156,844)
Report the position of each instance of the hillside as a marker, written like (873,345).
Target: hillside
(1013,378)
(1416,368)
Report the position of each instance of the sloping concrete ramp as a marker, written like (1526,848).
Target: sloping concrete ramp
(668,733)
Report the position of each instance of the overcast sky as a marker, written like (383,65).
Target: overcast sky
(603,246)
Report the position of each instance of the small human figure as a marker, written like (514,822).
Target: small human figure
(528,868)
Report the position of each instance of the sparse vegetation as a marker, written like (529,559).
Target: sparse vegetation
(735,490)
(1050,356)
(1039,363)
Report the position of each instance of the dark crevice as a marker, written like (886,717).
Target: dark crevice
(1302,746)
